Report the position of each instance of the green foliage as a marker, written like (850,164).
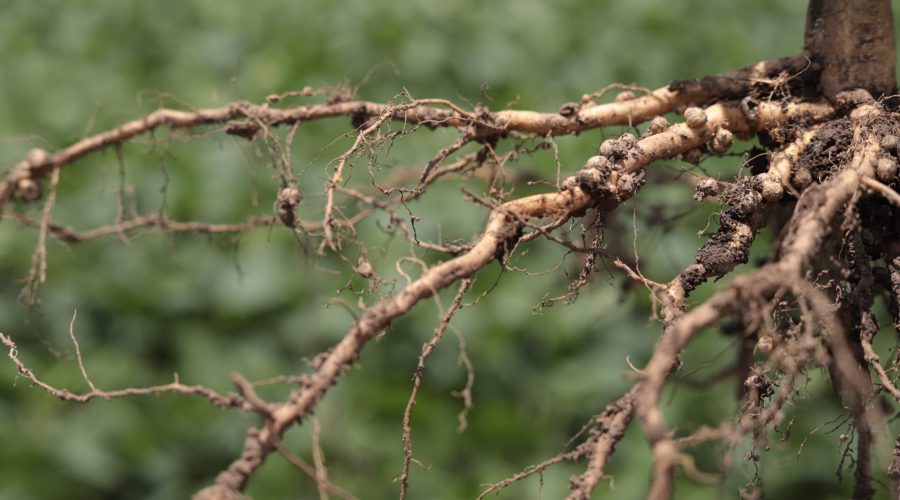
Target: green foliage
(256,304)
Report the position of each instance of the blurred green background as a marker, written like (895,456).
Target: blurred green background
(204,307)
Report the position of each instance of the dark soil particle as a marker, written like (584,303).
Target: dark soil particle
(880,221)
(726,248)
(828,150)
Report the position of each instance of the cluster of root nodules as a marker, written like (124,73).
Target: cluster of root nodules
(824,185)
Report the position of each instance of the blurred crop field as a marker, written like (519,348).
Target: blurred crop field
(260,304)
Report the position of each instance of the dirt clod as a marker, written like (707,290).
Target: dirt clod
(726,248)
(706,188)
(827,151)
(745,194)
